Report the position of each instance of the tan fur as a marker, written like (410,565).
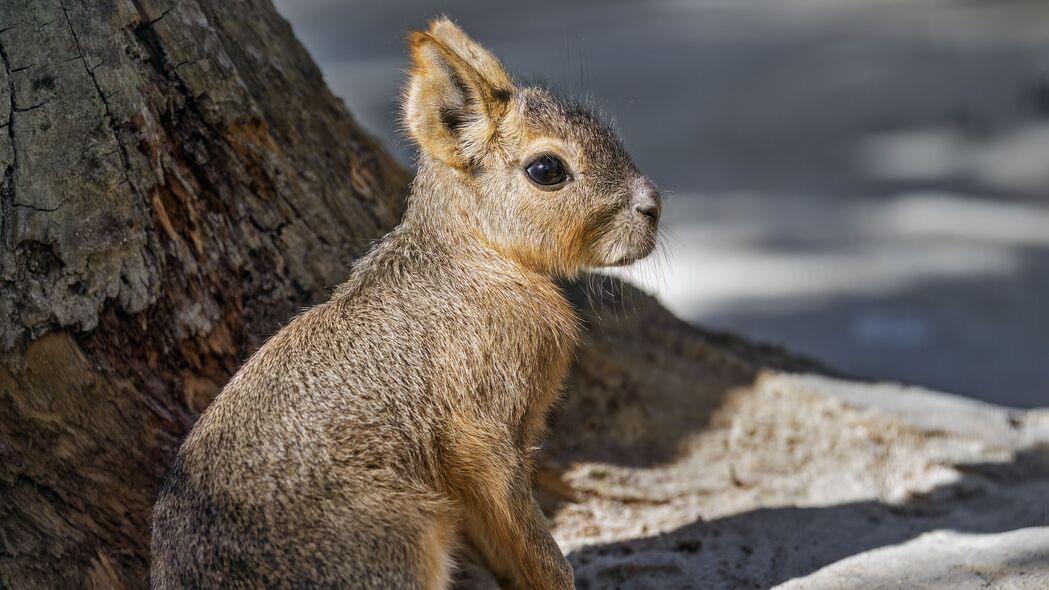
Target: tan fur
(435,553)
(379,430)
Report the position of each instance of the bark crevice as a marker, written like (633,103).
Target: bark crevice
(122,150)
(7,185)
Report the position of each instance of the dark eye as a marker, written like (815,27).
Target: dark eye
(546,171)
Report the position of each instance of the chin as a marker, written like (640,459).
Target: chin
(631,256)
(618,263)
(625,248)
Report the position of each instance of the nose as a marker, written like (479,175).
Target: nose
(646,200)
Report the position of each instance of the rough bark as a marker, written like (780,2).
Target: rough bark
(176,182)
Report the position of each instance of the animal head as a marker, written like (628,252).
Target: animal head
(544,181)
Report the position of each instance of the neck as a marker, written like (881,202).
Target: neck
(437,199)
(443,206)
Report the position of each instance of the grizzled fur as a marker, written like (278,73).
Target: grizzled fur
(374,433)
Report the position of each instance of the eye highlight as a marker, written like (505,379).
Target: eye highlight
(546,171)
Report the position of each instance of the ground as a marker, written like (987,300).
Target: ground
(717,465)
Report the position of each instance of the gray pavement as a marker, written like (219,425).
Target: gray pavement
(866,181)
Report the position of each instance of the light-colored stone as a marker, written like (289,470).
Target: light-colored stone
(832,484)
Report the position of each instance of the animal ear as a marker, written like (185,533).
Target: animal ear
(457,92)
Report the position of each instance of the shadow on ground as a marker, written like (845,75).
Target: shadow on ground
(639,366)
(682,458)
(770,546)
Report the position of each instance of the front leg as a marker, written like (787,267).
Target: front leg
(503,520)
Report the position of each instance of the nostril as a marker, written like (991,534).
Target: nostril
(646,199)
(650,210)
(648,205)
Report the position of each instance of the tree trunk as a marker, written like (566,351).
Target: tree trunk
(177,181)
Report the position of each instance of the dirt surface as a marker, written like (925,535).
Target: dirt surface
(717,466)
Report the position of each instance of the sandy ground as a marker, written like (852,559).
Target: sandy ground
(717,465)
(862,180)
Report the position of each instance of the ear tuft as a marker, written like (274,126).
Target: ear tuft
(456,93)
(470,51)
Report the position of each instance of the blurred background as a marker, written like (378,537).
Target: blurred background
(865,181)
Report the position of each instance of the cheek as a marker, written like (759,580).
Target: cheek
(602,228)
(513,213)
(619,237)
(553,225)
(543,214)
(557,229)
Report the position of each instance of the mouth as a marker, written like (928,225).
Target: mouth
(625,241)
(637,253)
(626,261)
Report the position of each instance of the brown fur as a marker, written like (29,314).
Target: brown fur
(378,430)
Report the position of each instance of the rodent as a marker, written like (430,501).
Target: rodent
(378,431)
